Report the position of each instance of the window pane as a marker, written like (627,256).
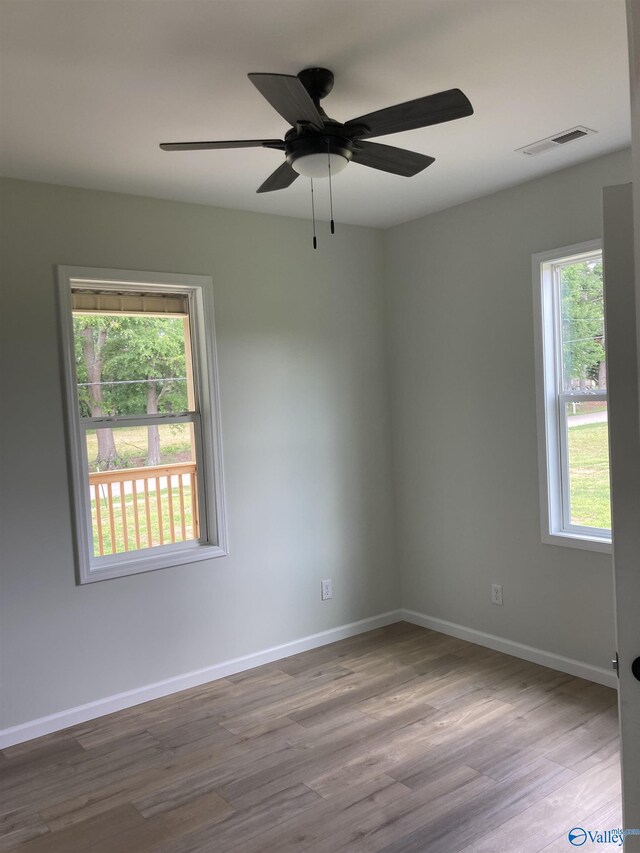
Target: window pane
(142,487)
(588,464)
(582,317)
(131,365)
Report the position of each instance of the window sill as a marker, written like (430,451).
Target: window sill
(573,540)
(164,557)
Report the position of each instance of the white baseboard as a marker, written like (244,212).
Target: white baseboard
(510,647)
(119,701)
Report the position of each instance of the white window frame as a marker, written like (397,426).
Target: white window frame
(556,526)
(206,420)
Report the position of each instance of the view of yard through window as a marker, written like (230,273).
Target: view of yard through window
(589,473)
(584,384)
(142,478)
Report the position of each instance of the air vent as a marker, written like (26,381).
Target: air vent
(556,140)
(569,137)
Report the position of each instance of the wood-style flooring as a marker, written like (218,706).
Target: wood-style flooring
(401,739)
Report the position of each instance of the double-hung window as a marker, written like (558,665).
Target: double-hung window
(572,396)
(143,420)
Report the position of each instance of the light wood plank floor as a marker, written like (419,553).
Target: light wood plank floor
(401,739)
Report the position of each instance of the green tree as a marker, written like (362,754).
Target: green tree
(148,353)
(91,333)
(128,365)
(583,351)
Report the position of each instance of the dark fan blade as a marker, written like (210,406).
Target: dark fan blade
(398,161)
(229,143)
(287,95)
(283,177)
(432,109)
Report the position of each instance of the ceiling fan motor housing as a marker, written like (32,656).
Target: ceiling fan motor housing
(307,142)
(327,142)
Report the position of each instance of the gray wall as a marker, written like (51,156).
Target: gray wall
(301,345)
(307,345)
(464,417)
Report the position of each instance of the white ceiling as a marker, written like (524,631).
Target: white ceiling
(90,87)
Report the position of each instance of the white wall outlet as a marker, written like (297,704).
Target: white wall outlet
(496,593)
(327,589)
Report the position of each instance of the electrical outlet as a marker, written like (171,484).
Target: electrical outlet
(326,589)
(496,593)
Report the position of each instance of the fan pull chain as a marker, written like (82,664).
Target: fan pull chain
(313,217)
(333,227)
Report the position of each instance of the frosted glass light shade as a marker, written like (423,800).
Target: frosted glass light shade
(316,165)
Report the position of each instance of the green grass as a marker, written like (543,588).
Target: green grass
(131,444)
(154,529)
(589,475)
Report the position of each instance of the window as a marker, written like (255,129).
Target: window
(572,396)
(143,423)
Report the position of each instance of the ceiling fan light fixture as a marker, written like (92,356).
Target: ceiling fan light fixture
(317,165)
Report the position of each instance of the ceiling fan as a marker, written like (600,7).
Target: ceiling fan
(318,146)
